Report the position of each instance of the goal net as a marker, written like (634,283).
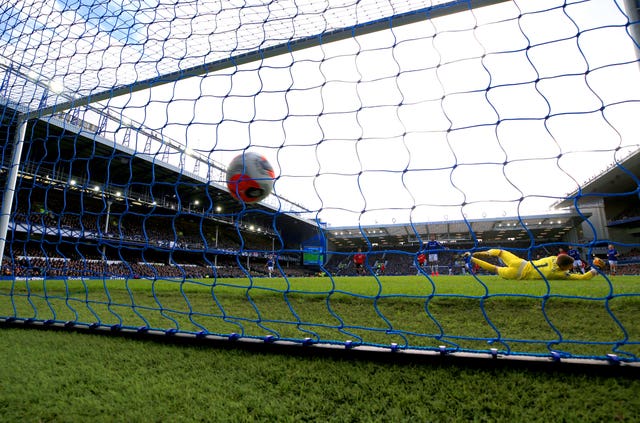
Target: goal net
(386,122)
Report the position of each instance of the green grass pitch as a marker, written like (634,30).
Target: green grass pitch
(463,313)
(52,376)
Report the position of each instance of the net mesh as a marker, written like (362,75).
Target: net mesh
(387,123)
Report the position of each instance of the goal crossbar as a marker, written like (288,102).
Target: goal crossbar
(382,24)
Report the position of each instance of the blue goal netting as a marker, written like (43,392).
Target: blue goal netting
(403,136)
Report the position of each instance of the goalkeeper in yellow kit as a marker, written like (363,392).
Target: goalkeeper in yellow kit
(554,267)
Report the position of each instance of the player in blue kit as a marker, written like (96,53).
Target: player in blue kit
(432,248)
(612,258)
(578,264)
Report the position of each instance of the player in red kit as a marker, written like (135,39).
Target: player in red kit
(358,262)
(422,261)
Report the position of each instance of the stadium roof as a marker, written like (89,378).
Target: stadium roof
(617,178)
(63,152)
(548,228)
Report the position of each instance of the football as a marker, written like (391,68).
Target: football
(250,177)
(599,263)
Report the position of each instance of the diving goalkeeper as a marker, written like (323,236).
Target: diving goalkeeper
(554,267)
